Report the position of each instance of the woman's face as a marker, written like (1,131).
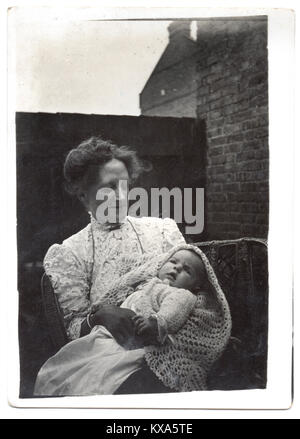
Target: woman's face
(106,199)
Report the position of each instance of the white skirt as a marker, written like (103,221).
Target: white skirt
(92,365)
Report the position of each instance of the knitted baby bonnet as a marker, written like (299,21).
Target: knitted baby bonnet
(183,365)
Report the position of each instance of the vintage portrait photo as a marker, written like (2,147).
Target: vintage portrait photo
(143,215)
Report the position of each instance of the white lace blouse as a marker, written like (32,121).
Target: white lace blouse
(82,266)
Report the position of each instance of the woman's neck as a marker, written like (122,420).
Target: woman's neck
(107,226)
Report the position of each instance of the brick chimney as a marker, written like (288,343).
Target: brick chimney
(178,29)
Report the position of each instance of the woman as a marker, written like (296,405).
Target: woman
(86,263)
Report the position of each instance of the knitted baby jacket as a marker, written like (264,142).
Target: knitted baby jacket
(170,306)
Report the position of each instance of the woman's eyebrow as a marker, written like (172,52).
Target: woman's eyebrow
(111,182)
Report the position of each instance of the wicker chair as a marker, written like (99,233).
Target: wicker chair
(242,270)
(53,314)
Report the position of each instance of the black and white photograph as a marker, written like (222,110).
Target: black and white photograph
(142,203)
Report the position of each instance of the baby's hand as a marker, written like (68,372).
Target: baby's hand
(141,324)
(147,328)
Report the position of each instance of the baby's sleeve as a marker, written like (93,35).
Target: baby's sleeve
(175,309)
(70,283)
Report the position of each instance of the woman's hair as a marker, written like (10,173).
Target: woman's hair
(82,163)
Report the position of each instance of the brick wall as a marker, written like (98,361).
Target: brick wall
(232,77)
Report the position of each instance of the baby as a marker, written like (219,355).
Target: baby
(96,363)
(163,304)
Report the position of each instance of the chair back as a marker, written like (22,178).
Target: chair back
(241,266)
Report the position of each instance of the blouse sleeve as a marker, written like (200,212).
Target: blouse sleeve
(70,283)
(171,234)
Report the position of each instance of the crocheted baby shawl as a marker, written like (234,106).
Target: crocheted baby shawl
(184,363)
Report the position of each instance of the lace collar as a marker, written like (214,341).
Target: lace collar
(106,227)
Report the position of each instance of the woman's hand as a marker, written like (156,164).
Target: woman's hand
(118,321)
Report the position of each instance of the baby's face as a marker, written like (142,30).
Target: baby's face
(184,269)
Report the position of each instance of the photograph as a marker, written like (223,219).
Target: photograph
(142,177)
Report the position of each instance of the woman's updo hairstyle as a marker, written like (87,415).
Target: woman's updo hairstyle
(82,163)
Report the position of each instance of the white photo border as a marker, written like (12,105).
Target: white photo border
(278,394)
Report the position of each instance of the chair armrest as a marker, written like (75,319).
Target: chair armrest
(53,314)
